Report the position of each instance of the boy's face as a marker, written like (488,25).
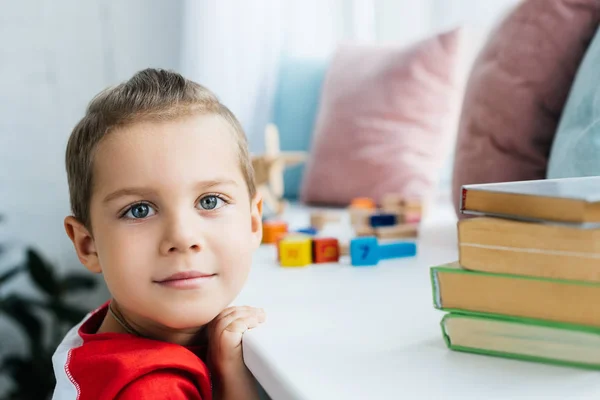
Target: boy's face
(170,198)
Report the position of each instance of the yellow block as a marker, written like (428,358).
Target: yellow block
(295,251)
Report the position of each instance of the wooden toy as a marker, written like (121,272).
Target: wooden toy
(397,231)
(367,251)
(360,216)
(295,251)
(318,219)
(325,250)
(364,230)
(269,167)
(412,205)
(397,203)
(392,203)
(344,249)
(272,229)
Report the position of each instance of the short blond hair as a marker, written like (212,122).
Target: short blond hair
(151,94)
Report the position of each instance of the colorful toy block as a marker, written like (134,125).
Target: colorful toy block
(377,220)
(272,229)
(367,251)
(325,250)
(295,251)
(397,250)
(280,236)
(308,231)
(363,202)
(363,251)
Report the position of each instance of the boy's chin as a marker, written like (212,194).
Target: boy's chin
(181,320)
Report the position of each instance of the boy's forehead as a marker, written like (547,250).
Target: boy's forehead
(181,151)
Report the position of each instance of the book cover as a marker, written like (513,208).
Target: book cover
(565,200)
(456,289)
(523,339)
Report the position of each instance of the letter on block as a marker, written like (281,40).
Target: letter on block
(295,251)
(364,251)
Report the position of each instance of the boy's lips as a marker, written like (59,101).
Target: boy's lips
(186,280)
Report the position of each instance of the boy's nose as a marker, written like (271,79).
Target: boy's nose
(180,237)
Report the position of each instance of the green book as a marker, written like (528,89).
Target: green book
(523,339)
(566,301)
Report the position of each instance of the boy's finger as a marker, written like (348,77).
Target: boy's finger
(223,322)
(256,314)
(233,309)
(242,325)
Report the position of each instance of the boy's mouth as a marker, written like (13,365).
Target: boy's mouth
(186,280)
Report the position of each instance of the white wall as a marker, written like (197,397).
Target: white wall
(54,56)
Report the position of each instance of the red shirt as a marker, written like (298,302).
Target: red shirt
(90,365)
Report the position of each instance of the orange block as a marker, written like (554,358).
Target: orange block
(363,202)
(272,230)
(325,250)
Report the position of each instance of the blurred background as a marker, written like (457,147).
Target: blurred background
(55,55)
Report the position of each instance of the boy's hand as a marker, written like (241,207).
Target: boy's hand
(225,337)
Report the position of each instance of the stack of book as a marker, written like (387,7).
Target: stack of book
(527,282)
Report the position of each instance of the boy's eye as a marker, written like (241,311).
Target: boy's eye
(211,202)
(139,211)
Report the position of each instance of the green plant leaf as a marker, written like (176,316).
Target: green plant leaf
(11,364)
(33,376)
(10,273)
(42,273)
(77,282)
(19,310)
(65,312)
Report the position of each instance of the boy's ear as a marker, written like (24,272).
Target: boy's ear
(256,212)
(84,244)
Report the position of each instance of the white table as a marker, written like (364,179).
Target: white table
(339,332)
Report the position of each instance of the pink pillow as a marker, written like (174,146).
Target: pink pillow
(517,89)
(385,121)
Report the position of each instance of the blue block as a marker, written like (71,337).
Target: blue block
(378,220)
(397,250)
(308,231)
(364,251)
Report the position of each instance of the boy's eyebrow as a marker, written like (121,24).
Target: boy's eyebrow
(127,192)
(215,182)
(201,185)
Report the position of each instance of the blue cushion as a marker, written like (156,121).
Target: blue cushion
(295,110)
(576,148)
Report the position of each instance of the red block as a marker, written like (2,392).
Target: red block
(325,250)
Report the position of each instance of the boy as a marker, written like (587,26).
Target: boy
(164,206)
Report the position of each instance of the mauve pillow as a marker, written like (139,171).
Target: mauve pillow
(385,121)
(517,90)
